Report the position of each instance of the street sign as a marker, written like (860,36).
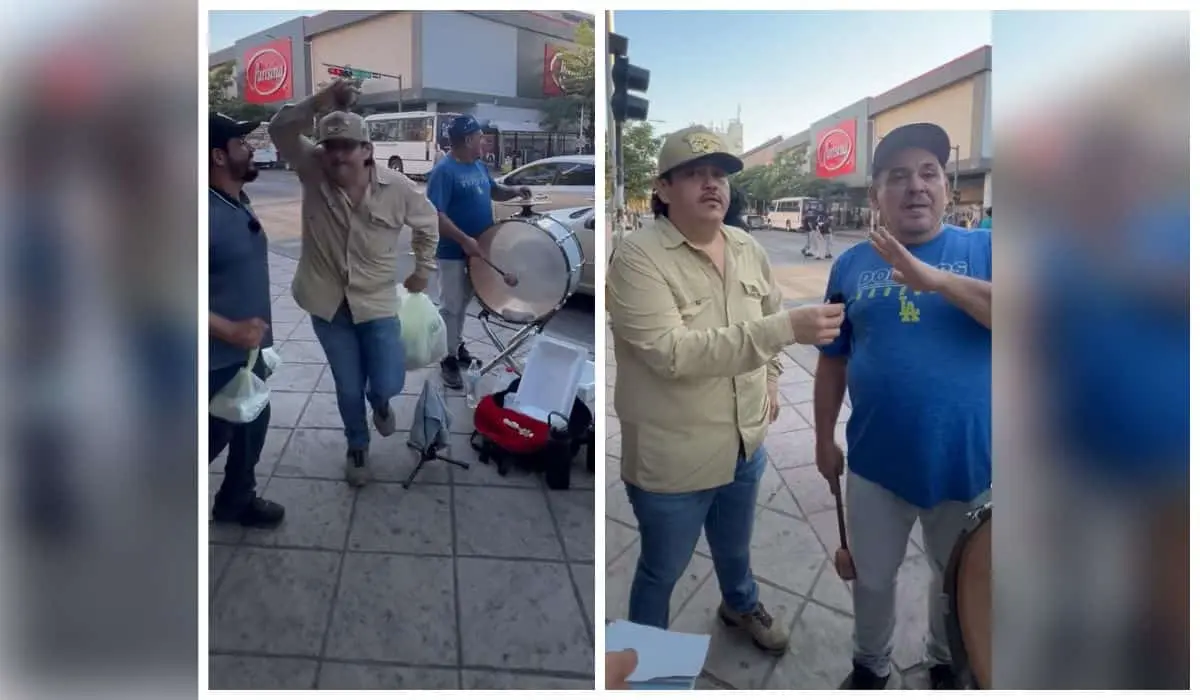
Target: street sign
(352,73)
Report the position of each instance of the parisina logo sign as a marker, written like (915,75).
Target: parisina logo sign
(269,72)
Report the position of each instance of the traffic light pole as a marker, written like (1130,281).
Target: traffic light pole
(619,178)
(624,80)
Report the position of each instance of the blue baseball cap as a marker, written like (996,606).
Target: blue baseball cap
(464,125)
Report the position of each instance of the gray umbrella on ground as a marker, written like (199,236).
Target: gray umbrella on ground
(430,431)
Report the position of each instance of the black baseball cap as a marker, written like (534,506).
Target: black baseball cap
(222,128)
(922,135)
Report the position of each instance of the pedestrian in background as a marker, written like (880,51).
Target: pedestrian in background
(825,227)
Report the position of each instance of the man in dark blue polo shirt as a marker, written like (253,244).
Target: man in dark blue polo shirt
(239,316)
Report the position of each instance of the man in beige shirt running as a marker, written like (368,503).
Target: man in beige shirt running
(353,212)
(697,325)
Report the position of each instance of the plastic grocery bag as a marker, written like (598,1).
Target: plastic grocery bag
(271,360)
(422,330)
(243,399)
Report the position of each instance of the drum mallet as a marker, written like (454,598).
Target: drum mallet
(510,280)
(843,563)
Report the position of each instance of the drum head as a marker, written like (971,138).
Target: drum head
(969,580)
(531,250)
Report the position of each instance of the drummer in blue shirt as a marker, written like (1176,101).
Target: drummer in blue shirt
(462,190)
(915,353)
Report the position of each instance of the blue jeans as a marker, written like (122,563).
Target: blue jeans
(670,526)
(362,355)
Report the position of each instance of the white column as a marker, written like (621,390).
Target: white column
(987,190)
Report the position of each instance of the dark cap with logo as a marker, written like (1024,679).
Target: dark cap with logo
(464,125)
(923,135)
(222,129)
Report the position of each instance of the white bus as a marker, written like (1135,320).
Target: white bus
(788,213)
(409,141)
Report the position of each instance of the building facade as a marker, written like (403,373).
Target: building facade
(957,96)
(501,67)
(762,154)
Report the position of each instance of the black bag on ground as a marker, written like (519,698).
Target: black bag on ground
(552,457)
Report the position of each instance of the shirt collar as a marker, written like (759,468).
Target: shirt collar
(673,238)
(243,198)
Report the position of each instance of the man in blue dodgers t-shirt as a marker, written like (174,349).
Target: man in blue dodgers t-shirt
(916,354)
(462,190)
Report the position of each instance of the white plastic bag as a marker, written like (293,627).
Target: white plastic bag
(244,398)
(422,330)
(271,361)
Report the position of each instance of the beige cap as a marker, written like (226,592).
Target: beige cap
(694,143)
(346,126)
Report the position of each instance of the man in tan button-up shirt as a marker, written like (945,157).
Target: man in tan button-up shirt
(697,325)
(353,214)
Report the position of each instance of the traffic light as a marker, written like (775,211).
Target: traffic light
(627,78)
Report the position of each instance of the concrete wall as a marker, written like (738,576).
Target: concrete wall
(762,154)
(951,108)
(384,44)
(505,48)
(465,53)
(531,61)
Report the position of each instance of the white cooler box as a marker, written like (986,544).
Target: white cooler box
(554,373)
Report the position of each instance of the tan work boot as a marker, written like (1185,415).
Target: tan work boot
(358,471)
(766,633)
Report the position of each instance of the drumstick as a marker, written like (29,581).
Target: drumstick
(510,280)
(843,563)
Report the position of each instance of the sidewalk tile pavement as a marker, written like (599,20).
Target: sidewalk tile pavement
(795,537)
(468,580)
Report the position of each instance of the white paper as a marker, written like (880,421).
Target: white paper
(661,653)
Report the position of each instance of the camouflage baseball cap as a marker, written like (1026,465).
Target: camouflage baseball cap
(694,143)
(344,126)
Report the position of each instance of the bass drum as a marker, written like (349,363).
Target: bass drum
(543,253)
(968,589)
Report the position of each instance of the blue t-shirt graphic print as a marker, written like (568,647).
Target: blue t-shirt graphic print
(463,192)
(919,373)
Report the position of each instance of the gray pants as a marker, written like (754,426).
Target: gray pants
(878,526)
(452,293)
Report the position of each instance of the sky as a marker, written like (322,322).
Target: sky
(225,26)
(785,69)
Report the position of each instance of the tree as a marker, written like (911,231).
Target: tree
(783,177)
(578,81)
(639,149)
(220,79)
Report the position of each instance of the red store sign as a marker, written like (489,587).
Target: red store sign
(268,72)
(835,149)
(552,71)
